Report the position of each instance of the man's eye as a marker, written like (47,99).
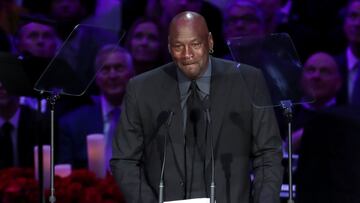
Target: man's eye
(196,45)
(177,47)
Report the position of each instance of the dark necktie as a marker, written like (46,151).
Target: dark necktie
(113,118)
(7,145)
(195,144)
(355,97)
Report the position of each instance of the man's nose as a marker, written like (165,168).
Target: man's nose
(188,52)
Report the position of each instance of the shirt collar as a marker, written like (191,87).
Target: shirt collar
(331,102)
(106,107)
(203,82)
(14,120)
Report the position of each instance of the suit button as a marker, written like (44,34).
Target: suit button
(182,183)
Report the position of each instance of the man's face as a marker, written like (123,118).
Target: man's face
(38,40)
(65,10)
(242,21)
(321,79)
(115,73)
(352,23)
(189,45)
(145,42)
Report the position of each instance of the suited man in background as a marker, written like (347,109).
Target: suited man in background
(242,134)
(349,60)
(115,68)
(21,129)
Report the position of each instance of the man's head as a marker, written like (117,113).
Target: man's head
(189,43)
(243,18)
(67,10)
(115,69)
(352,22)
(37,39)
(321,78)
(144,40)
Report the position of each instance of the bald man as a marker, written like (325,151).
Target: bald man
(246,139)
(321,80)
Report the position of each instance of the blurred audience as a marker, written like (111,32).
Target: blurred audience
(272,13)
(67,14)
(10,14)
(4,41)
(21,129)
(116,69)
(144,44)
(329,158)
(243,18)
(323,20)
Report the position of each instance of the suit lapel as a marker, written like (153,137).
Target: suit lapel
(170,101)
(220,88)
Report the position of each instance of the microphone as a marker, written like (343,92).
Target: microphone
(206,105)
(161,184)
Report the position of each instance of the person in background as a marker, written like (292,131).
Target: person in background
(36,37)
(349,60)
(320,82)
(67,14)
(144,43)
(36,43)
(243,18)
(115,69)
(21,128)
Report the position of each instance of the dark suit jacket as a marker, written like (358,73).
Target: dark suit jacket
(241,134)
(329,159)
(342,96)
(73,129)
(33,127)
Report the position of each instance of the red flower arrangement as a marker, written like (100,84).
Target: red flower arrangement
(18,185)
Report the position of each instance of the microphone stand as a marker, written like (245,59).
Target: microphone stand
(52,100)
(161,184)
(208,122)
(40,158)
(287,107)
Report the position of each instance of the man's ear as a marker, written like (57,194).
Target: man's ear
(211,43)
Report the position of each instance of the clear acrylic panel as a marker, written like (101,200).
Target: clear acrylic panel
(276,56)
(72,70)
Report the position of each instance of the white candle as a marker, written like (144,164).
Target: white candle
(96,154)
(63,170)
(46,165)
